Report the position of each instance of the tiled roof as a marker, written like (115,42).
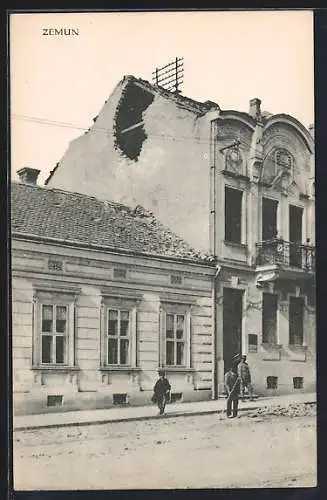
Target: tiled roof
(77,218)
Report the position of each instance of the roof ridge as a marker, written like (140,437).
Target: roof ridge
(71,193)
(205,105)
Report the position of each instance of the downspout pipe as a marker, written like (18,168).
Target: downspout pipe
(213,249)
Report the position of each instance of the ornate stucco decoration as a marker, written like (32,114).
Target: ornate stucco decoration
(234,159)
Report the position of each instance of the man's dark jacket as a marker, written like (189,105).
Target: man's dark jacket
(232,383)
(161,387)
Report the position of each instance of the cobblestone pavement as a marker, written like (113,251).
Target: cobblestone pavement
(267,447)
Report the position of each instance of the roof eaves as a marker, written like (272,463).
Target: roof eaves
(209,262)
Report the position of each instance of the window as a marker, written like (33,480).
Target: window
(298,382)
(269,318)
(233,215)
(120,399)
(118,337)
(296,310)
(55,400)
(269,219)
(175,339)
(253,342)
(176,396)
(118,319)
(53,334)
(54,325)
(272,382)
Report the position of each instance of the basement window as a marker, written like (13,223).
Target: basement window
(176,396)
(298,382)
(120,399)
(272,382)
(55,400)
(233,215)
(130,133)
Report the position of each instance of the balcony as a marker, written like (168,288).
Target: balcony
(286,255)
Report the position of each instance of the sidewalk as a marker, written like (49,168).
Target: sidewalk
(88,417)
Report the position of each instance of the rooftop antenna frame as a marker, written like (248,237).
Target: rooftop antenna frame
(170,76)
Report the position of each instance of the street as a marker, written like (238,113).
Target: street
(268,447)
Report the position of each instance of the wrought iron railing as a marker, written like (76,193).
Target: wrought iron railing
(286,254)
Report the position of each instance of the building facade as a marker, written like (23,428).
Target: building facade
(102,297)
(238,185)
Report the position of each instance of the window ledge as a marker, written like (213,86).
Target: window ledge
(236,245)
(177,369)
(266,345)
(235,175)
(120,368)
(56,368)
(297,347)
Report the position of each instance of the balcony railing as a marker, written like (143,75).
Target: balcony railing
(286,254)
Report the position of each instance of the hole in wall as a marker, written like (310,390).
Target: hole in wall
(129,130)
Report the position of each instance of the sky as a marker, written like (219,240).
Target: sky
(229,58)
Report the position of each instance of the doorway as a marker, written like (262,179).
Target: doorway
(232,325)
(295,223)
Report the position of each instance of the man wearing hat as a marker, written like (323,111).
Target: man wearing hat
(245,375)
(232,384)
(161,392)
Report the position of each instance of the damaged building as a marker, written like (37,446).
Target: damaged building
(239,185)
(103,295)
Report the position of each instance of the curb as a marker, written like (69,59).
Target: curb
(146,417)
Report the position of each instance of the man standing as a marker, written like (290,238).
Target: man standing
(161,392)
(232,387)
(245,375)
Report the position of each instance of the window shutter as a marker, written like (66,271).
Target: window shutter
(162,337)
(102,334)
(188,339)
(36,337)
(133,338)
(71,334)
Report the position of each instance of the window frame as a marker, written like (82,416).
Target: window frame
(264,340)
(54,334)
(227,239)
(56,298)
(175,309)
(290,298)
(120,304)
(276,202)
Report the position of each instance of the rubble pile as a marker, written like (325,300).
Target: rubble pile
(293,410)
